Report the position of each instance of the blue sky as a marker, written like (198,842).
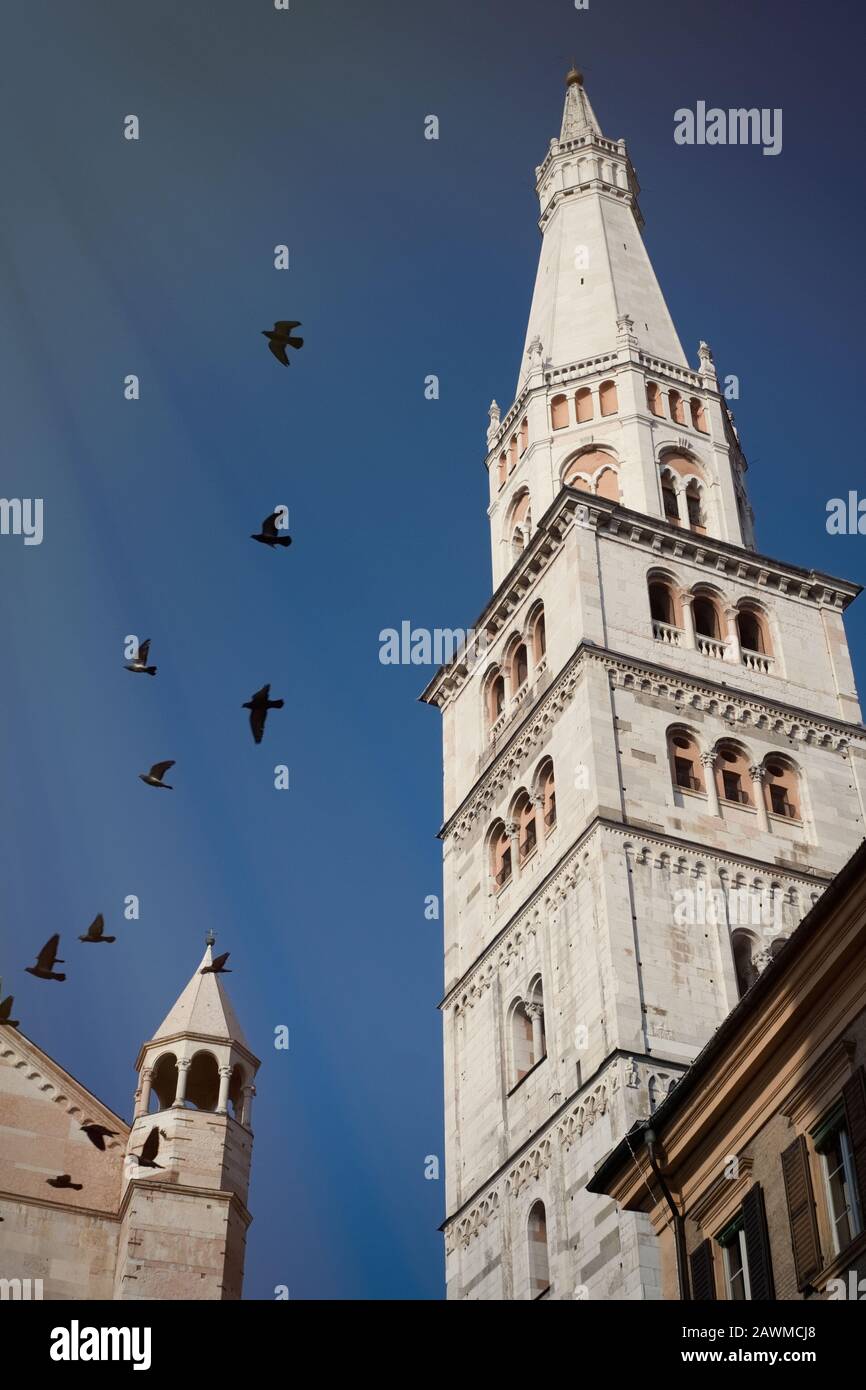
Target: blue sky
(408,257)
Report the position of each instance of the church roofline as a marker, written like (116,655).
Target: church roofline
(83,1098)
(604,513)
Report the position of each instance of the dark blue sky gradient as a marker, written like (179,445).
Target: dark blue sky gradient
(408,257)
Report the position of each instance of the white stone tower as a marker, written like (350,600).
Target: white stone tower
(183,1225)
(653,753)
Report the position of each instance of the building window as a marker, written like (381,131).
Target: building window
(583,405)
(527,837)
(500,856)
(669,500)
(539,1261)
(675,402)
(559,412)
(662,605)
(742,946)
(524,436)
(539,637)
(706,619)
(833,1143)
(694,506)
(495,696)
(781,784)
(733,1243)
(686,762)
(752,632)
(654,399)
(547,790)
(733,775)
(519,667)
(502,471)
(607,398)
(699,418)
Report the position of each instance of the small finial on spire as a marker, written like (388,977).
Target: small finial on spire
(210,939)
(573,76)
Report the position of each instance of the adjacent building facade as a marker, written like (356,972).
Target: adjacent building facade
(756,1164)
(117,1230)
(653,754)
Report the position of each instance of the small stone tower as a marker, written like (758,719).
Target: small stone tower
(183,1225)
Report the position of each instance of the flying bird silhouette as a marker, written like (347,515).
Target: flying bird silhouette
(46,960)
(156,774)
(281,338)
(150,1149)
(95,931)
(218,967)
(139,665)
(258,707)
(5,1011)
(64,1181)
(269,534)
(97,1134)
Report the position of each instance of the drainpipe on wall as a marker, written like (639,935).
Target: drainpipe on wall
(679,1221)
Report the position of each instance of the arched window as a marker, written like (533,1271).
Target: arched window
(547,789)
(595,464)
(539,636)
(743,946)
(523,812)
(782,789)
(164,1082)
(675,404)
(519,667)
(706,614)
(669,500)
(494,694)
(502,471)
(753,631)
(524,436)
(654,399)
(663,605)
(559,412)
(685,760)
(699,418)
(236,1092)
(512,453)
(520,523)
(583,405)
(500,855)
(539,1260)
(203,1082)
(607,484)
(732,774)
(695,507)
(607,398)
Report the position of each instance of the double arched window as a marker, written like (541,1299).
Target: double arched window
(531,819)
(705,620)
(595,471)
(539,1258)
(677,407)
(527,1032)
(507,682)
(773,787)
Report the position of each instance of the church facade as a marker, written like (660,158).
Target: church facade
(116,1229)
(653,754)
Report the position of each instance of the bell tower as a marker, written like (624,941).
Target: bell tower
(183,1223)
(653,753)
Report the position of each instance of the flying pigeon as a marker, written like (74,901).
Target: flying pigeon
(139,665)
(45,962)
(97,1134)
(95,931)
(150,1150)
(5,1011)
(218,967)
(156,774)
(64,1180)
(258,707)
(281,337)
(268,534)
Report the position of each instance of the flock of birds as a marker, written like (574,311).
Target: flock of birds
(279,338)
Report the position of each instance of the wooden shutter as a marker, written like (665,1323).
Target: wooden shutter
(854,1097)
(801,1212)
(758,1245)
(701,1265)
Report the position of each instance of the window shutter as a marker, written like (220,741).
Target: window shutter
(758,1246)
(701,1264)
(801,1212)
(854,1097)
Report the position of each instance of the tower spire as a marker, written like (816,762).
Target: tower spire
(578,117)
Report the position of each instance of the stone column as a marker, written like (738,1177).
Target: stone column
(142,1095)
(708,763)
(540,827)
(733,650)
(682,506)
(536,1014)
(512,830)
(223,1102)
(758,775)
(247,1107)
(686,601)
(183,1067)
